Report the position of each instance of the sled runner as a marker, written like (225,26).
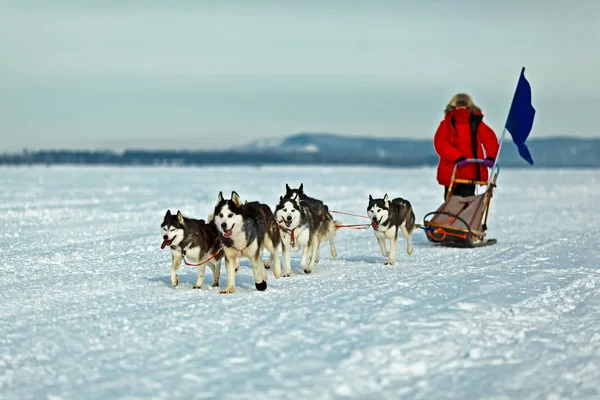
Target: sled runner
(461,221)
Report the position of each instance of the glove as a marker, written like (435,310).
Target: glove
(489,162)
(461,162)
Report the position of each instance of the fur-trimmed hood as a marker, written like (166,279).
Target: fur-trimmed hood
(462,100)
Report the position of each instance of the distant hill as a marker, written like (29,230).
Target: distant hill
(321,149)
(559,151)
(328,142)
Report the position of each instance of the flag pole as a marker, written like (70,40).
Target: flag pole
(500,146)
(503,133)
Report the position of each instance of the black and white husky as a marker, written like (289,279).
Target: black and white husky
(304,225)
(245,230)
(389,217)
(315,216)
(196,240)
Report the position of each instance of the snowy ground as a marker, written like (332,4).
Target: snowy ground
(88,312)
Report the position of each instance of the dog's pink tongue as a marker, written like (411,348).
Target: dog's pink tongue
(164,244)
(375,225)
(229,232)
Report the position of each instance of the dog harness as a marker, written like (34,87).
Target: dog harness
(293,237)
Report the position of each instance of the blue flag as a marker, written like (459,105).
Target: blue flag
(520,117)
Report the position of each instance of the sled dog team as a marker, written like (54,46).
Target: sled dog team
(236,229)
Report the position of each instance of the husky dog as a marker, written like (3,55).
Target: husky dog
(267,264)
(302,225)
(245,230)
(196,240)
(389,217)
(319,208)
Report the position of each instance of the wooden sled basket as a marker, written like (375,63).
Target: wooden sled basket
(461,221)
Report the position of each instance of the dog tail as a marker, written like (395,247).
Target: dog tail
(417,226)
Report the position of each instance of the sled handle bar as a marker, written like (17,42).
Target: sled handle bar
(475,160)
(478,161)
(453,179)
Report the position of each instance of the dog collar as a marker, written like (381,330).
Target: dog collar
(293,239)
(227,241)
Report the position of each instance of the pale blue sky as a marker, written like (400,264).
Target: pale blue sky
(172,74)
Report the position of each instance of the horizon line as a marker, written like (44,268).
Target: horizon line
(244,146)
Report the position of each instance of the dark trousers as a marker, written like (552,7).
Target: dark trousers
(461,189)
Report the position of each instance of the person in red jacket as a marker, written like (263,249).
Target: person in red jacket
(462,134)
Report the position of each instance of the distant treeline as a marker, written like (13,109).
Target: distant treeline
(196,158)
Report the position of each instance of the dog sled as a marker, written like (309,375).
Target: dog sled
(462,221)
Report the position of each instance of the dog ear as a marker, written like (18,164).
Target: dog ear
(280,198)
(236,198)
(168,214)
(370,198)
(220,198)
(301,188)
(386,201)
(287,188)
(179,217)
(210,218)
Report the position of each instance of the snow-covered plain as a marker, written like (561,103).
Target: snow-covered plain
(87,310)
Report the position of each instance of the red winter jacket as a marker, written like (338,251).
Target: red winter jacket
(453,139)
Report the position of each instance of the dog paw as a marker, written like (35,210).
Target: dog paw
(410,251)
(287,274)
(333,253)
(197,287)
(307,270)
(267,266)
(227,290)
(215,284)
(175,281)
(389,262)
(261,286)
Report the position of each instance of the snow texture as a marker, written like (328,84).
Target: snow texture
(88,311)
